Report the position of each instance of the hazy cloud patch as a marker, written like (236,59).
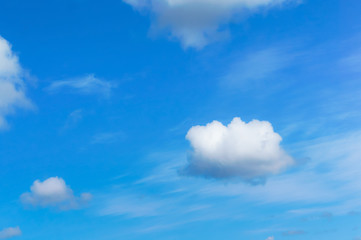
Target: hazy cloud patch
(251,69)
(293,233)
(10,232)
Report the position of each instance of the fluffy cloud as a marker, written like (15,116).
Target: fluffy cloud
(250,151)
(197,22)
(270,238)
(85,85)
(10,232)
(12,86)
(53,192)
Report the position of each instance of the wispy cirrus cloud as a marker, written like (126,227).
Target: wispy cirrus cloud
(107,137)
(336,156)
(253,68)
(352,62)
(73,119)
(87,85)
(305,187)
(309,185)
(131,206)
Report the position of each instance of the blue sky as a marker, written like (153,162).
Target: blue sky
(179,119)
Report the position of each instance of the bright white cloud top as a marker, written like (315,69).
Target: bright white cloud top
(12,86)
(197,22)
(10,232)
(53,192)
(250,151)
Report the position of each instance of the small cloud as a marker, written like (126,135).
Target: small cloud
(270,238)
(107,137)
(196,23)
(12,85)
(250,151)
(10,232)
(87,85)
(293,233)
(73,119)
(53,192)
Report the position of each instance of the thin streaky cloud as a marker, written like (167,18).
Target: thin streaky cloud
(254,68)
(107,137)
(352,62)
(73,119)
(87,85)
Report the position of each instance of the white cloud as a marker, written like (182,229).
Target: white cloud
(250,151)
(10,232)
(270,238)
(12,86)
(53,192)
(85,85)
(198,22)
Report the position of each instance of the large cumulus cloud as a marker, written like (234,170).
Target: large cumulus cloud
(250,151)
(197,22)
